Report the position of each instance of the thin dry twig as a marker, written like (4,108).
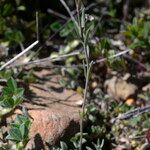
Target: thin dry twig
(25,50)
(121,46)
(37,25)
(19,55)
(133,113)
(113,56)
(42,62)
(48,59)
(57,14)
(70,13)
(21,46)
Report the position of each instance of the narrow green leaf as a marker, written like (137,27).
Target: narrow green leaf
(87,35)
(11,83)
(83,18)
(88,148)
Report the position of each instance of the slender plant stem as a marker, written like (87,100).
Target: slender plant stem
(88,70)
(87,65)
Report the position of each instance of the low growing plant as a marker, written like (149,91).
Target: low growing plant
(11,97)
(19,131)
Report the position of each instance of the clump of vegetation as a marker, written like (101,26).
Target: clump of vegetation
(19,131)
(11,98)
(87,46)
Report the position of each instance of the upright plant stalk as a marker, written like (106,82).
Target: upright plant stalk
(87,67)
(83,35)
(87,73)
